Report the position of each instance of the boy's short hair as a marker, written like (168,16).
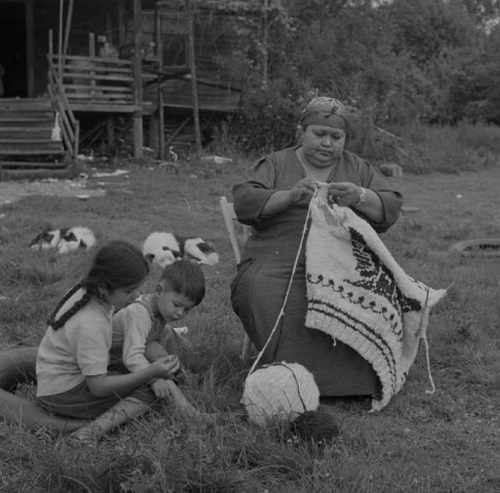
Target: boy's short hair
(186,278)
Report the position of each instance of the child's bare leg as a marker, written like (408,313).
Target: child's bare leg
(155,351)
(181,404)
(168,343)
(170,340)
(168,389)
(123,411)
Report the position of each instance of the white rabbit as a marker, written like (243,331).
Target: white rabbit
(165,248)
(64,240)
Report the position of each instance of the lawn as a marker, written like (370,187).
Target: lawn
(445,442)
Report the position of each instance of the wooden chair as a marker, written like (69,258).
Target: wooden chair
(238,235)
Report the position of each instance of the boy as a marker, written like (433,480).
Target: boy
(140,333)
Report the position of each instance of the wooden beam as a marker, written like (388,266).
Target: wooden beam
(60,35)
(92,54)
(67,31)
(122,33)
(137,64)
(109,27)
(161,109)
(194,89)
(30,50)
(51,43)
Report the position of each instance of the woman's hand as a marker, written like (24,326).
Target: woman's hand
(348,194)
(345,194)
(283,199)
(303,188)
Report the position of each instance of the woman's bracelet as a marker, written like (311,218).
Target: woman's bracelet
(362,197)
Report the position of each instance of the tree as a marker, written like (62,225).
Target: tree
(474,92)
(426,28)
(485,12)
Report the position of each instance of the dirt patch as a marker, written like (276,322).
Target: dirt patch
(11,191)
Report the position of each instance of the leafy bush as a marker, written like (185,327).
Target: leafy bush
(463,147)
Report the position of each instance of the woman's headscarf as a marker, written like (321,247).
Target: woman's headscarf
(324,111)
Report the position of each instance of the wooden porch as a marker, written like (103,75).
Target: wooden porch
(151,79)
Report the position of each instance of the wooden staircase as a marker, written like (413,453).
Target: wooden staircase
(27,150)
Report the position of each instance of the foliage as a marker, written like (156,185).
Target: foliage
(426,28)
(474,90)
(485,12)
(431,61)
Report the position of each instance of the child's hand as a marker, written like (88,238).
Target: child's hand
(162,388)
(166,366)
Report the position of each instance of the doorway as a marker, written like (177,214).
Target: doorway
(13,54)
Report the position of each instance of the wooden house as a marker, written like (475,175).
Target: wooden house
(73,66)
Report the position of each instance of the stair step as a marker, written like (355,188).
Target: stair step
(19,133)
(33,174)
(4,165)
(27,139)
(24,150)
(18,116)
(45,152)
(20,125)
(28,104)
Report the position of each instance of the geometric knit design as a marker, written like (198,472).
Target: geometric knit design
(358,294)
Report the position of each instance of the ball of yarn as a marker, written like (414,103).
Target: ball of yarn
(279,392)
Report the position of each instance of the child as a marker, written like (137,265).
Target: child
(140,334)
(72,360)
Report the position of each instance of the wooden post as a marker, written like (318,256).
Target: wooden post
(122,34)
(137,66)
(30,56)
(60,36)
(159,54)
(51,43)
(92,55)
(194,89)
(109,27)
(110,133)
(66,33)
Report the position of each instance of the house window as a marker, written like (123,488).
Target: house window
(175,50)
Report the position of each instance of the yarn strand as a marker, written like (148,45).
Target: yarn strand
(423,335)
(288,288)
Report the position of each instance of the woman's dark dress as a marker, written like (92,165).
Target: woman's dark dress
(259,287)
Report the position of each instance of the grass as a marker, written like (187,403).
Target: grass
(446,442)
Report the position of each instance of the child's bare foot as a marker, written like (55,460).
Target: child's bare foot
(85,436)
(202,419)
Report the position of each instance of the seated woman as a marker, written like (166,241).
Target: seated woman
(274,200)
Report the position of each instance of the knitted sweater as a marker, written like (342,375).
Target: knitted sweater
(358,294)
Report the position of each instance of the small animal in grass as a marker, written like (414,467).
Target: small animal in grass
(165,248)
(64,240)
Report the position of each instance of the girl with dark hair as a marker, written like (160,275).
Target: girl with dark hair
(72,360)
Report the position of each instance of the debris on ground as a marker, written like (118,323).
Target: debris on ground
(15,190)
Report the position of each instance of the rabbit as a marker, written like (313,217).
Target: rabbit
(163,248)
(64,240)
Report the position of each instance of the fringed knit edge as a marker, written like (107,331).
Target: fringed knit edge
(367,343)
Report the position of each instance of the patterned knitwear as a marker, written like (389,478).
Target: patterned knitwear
(358,294)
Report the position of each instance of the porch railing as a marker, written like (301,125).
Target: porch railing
(95,80)
(69,125)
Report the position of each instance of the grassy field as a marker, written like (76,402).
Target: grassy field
(447,442)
